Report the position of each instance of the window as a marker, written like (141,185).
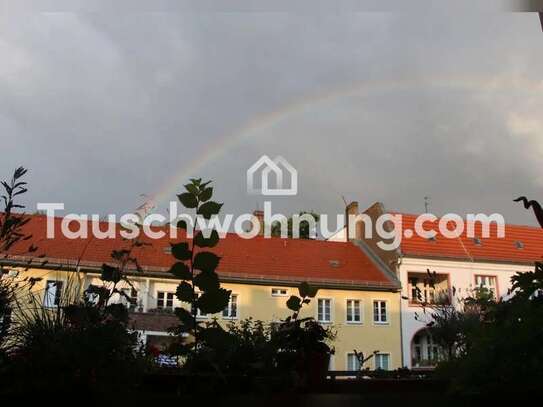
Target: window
(331,363)
(488,282)
(421,291)
(425,352)
(164,300)
(354,313)
(380,312)
(53,290)
(279,292)
(353,364)
(382,361)
(199,313)
(231,311)
(130,298)
(324,310)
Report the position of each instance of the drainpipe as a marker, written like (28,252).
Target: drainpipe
(399,263)
(145,299)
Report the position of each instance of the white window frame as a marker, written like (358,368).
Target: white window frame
(387,354)
(347,357)
(492,288)
(387,318)
(47,296)
(229,308)
(279,294)
(129,291)
(199,314)
(360,308)
(323,321)
(331,363)
(165,300)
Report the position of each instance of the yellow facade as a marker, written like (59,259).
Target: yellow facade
(256,301)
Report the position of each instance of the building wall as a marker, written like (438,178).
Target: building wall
(461,276)
(256,301)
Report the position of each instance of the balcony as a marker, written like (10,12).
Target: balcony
(425,289)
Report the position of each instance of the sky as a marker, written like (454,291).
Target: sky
(369,107)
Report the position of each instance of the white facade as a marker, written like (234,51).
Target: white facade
(461,275)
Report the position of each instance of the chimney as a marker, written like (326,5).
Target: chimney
(259,215)
(350,209)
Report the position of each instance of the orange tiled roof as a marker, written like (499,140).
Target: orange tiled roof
(255,259)
(493,249)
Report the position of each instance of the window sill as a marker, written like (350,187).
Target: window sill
(355,323)
(381,323)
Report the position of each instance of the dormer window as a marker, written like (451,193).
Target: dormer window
(519,245)
(477,241)
(334,263)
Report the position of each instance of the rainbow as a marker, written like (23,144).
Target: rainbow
(255,126)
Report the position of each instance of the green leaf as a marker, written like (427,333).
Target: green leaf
(110,273)
(196,181)
(206,194)
(213,301)
(306,290)
(208,209)
(206,261)
(181,271)
(294,303)
(207,280)
(216,337)
(185,317)
(193,189)
(210,241)
(184,292)
(188,200)
(181,251)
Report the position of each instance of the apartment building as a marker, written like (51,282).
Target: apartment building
(461,265)
(358,294)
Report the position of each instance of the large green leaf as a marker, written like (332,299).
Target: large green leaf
(207,280)
(185,317)
(206,261)
(294,303)
(208,209)
(184,292)
(206,194)
(181,251)
(210,241)
(213,301)
(181,271)
(306,290)
(110,273)
(193,189)
(188,200)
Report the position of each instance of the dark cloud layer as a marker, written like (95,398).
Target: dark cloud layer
(387,107)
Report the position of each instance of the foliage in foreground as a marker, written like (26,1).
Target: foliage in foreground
(495,347)
(505,354)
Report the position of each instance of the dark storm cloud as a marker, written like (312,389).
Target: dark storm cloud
(103,108)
